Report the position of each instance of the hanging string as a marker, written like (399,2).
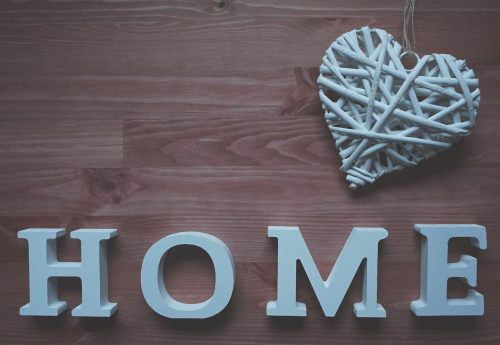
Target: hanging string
(408,39)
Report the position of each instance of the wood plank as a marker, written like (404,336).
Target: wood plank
(307,190)
(148,96)
(222,141)
(272,92)
(218,140)
(161,31)
(42,143)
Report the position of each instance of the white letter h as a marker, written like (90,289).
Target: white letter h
(44,268)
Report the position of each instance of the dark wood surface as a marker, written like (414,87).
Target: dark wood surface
(161,116)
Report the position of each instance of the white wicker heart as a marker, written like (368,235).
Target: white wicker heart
(384,117)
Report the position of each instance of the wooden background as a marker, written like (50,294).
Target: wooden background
(161,116)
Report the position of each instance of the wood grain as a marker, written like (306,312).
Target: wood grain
(155,117)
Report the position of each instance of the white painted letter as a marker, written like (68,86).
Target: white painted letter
(435,271)
(44,270)
(152,281)
(361,244)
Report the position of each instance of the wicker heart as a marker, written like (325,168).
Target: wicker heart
(384,117)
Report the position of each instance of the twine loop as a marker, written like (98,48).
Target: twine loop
(408,38)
